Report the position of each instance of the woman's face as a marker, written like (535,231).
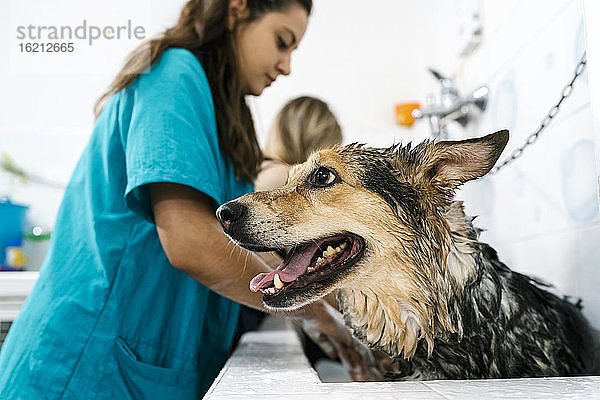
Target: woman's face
(264,46)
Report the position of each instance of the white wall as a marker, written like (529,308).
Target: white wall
(592,36)
(46,100)
(541,212)
(361,59)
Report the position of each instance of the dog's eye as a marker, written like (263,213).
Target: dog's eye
(322,177)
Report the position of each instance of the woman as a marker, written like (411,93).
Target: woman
(115,312)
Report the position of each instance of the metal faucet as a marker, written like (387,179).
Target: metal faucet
(451,107)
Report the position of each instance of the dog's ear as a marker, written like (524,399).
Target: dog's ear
(451,163)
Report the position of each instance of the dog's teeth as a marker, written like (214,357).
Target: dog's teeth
(277,281)
(270,290)
(329,252)
(320,261)
(310,269)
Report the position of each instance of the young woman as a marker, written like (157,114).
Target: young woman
(134,297)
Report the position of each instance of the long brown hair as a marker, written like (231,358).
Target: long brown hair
(202,29)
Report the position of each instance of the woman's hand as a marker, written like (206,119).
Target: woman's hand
(325,326)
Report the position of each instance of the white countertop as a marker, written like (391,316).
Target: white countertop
(270,365)
(14,288)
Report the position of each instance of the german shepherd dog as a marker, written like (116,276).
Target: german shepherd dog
(381,227)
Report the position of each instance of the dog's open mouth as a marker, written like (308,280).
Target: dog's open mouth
(313,262)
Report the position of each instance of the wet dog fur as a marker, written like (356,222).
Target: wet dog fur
(413,279)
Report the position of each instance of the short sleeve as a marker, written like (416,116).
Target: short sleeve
(172,134)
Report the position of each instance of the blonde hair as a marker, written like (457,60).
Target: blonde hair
(303,126)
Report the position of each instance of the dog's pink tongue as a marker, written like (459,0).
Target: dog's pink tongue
(288,271)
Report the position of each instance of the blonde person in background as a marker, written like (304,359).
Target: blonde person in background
(303,126)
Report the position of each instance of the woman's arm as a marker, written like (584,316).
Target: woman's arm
(195,243)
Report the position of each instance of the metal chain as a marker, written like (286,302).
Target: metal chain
(566,92)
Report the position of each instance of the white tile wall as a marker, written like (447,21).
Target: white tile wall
(541,212)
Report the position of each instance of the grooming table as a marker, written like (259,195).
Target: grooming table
(271,365)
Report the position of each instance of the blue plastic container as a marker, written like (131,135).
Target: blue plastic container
(12,220)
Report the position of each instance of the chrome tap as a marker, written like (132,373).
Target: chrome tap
(451,106)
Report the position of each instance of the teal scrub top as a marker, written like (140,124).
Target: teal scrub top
(110,317)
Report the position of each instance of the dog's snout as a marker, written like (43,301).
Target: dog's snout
(229,213)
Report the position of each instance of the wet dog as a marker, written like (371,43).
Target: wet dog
(381,227)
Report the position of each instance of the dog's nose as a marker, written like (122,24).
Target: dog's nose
(230,212)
